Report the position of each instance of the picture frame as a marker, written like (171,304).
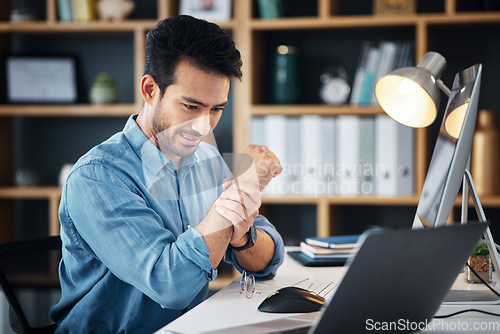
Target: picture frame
(34,79)
(210,10)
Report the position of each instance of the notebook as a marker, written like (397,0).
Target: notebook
(397,277)
(307,261)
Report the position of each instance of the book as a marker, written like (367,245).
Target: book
(394,150)
(292,166)
(83,10)
(405,56)
(348,155)
(359,76)
(386,64)
(268,9)
(306,261)
(325,256)
(405,173)
(336,241)
(367,155)
(275,138)
(367,87)
(257,136)
(327,171)
(64,10)
(310,150)
(316,250)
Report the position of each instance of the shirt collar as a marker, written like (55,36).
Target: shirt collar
(152,158)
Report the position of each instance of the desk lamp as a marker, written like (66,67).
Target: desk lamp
(410,95)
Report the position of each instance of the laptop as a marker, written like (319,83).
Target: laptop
(397,277)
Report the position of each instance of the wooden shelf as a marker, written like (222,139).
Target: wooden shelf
(88,27)
(330,22)
(51,194)
(463,18)
(95,26)
(486,201)
(30,192)
(71,110)
(297,110)
(367,21)
(341,200)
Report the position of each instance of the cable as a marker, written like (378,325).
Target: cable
(473,310)
(463,311)
(483,281)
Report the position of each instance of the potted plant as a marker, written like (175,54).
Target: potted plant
(103,89)
(480,262)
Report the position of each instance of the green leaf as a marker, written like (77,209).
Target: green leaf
(481,249)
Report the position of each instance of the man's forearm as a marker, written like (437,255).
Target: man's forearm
(216,232)
(259,256)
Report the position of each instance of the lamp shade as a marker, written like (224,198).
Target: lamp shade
(455,120)
(410,95)
(459,103)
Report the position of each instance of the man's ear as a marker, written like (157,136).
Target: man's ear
(149,89)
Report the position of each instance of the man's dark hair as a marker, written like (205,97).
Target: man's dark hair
(201,43)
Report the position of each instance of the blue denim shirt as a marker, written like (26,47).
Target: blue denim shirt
(131,263)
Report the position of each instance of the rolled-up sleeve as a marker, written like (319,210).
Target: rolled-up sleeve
(114,222)
(269,272)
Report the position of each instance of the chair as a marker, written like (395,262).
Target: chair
(28,264)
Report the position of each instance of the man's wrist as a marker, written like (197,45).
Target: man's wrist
(243,240)
(250,242)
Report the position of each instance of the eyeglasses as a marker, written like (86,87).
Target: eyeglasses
(247,284)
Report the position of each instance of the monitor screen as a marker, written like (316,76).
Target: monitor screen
(451,152)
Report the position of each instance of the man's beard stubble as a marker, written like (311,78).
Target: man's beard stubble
(165,134)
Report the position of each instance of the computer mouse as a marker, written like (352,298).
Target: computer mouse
(292,300)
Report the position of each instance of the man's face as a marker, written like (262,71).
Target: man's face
(189,110)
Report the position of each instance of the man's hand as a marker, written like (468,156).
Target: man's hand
(228,221)
(239,204)
(267,165)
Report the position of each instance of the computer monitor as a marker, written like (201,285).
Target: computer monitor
(447,169)
(451,152)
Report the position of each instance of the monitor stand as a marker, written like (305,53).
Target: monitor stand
(476,296)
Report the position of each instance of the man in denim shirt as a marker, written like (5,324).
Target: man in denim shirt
(147,216)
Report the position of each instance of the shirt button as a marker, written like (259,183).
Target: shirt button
(189,226)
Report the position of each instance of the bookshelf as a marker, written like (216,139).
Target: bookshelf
(46,27)
(15,37)
(327,22)
(257,37)
(38,205)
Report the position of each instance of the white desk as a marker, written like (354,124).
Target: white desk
(228,311)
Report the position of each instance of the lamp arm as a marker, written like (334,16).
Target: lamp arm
(465,194)
(488,238)
(475,197)
(443,87)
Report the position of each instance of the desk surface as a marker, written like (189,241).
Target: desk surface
(228,311)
